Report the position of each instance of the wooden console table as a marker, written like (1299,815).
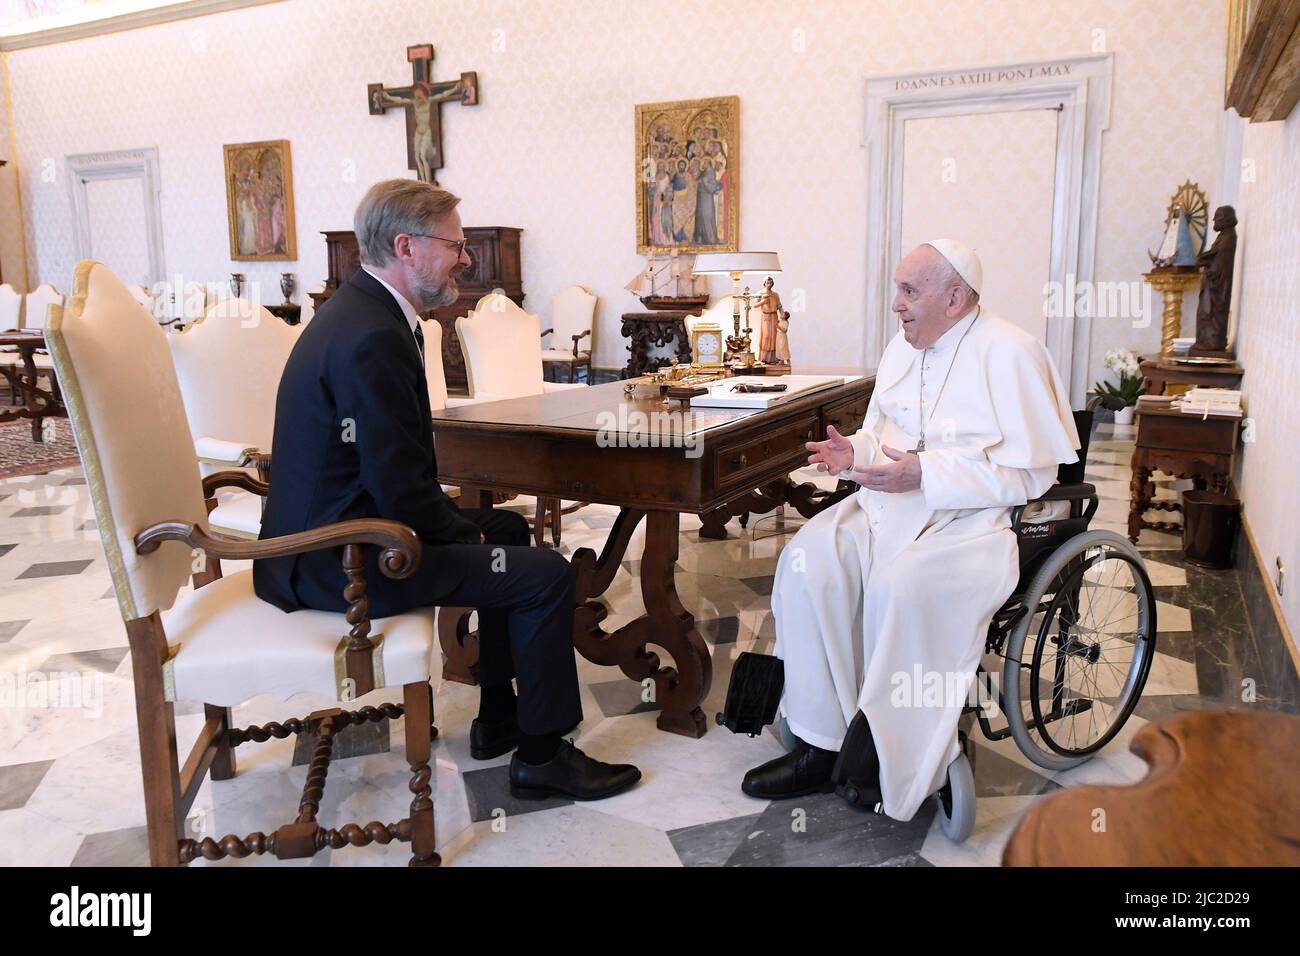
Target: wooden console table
(1158,371)
(1182,445)
(655,463)
(644,329)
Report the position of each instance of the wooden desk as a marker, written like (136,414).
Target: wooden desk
(1222,791)
(644,329)
(37,403)
(654,462)
(1181,445)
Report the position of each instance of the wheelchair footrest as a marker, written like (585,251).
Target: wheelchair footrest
(753,694)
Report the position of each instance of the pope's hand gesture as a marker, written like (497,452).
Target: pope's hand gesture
(835,454)
(902,473)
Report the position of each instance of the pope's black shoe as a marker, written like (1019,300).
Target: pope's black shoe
(570,773)
(805,769)
(488,739)
(857,770)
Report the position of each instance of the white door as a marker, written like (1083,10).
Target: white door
(119,232)
(986,179)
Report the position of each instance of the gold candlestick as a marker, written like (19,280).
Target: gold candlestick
(1173,286)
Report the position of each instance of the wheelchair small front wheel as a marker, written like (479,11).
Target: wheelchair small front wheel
(1078,658)
(957,801)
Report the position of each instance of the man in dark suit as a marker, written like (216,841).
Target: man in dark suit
(353,439)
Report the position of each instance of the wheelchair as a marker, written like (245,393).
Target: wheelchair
(1075,641)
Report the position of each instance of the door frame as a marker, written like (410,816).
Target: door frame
(1079,89)
(141,164)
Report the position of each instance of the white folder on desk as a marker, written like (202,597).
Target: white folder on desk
(722,394)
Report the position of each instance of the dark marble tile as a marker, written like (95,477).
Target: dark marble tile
(634,567)
(19,781)
(8,629)
(829,832)
(620,697)
(105,660)
(39,511)
(759,585)
(354,740)
(998,776)
(128,847)
(720,630)
(75,480)
(711,844)
(488,790)
(49,569)
(1178,644)
(6,548)
(1156,706)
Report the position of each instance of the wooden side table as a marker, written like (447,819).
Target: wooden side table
(1158,371)
(290,313)
(644,329)
(1182,445)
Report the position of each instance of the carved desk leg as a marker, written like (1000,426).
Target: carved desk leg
(678,690)
(459,645)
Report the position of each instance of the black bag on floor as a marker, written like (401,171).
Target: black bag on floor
(753,694)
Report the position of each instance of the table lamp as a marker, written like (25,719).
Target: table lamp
(736,264)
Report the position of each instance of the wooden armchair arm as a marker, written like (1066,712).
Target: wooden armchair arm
(577,338)
(546,332)
(399,558)
(234,479)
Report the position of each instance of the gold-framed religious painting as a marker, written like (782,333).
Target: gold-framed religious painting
(259,201)
(688,176)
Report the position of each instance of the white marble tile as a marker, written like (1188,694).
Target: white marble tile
(564,836)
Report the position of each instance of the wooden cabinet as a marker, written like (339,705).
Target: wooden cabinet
(494,264)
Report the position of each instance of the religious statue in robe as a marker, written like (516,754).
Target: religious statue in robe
(769,304)
(1216,288)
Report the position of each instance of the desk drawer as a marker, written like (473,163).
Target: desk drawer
(847,415)
(753,456)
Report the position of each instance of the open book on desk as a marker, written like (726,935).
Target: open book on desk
(728,393)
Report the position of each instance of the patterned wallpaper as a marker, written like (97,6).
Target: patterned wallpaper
(1268,343)
(549,148)
(11,239)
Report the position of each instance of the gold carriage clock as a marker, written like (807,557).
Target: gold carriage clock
(706,345)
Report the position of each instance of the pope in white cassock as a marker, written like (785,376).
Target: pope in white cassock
(967,420)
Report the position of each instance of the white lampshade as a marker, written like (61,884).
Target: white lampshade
(726,263)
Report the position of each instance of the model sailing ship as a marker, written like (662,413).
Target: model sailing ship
(669,284)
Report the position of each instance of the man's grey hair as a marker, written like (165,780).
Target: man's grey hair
(392,207)
(947,276)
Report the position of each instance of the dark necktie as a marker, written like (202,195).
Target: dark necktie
(419,341)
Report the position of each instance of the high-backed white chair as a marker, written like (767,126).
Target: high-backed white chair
(36,306)
(220,644)
(141,295)
(573,314)
(503,359)
(11,308)
(229,368)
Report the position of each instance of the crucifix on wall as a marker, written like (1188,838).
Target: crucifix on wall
(423,101)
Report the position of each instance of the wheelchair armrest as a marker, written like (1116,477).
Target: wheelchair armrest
(1074,491)
(1070,492)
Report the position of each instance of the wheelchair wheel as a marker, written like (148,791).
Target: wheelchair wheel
(957,801)
(1077,661)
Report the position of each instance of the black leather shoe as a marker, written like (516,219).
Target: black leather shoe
(857,770)
(802,771)
(570,773)
(488,739)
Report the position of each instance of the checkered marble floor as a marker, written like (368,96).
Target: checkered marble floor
(70,790)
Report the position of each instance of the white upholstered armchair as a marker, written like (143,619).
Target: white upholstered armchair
(220,644)
(229,366)
(503,359)
(573,315)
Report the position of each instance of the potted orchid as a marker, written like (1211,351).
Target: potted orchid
(1124,362)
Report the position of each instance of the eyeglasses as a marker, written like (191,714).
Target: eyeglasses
(459,244)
